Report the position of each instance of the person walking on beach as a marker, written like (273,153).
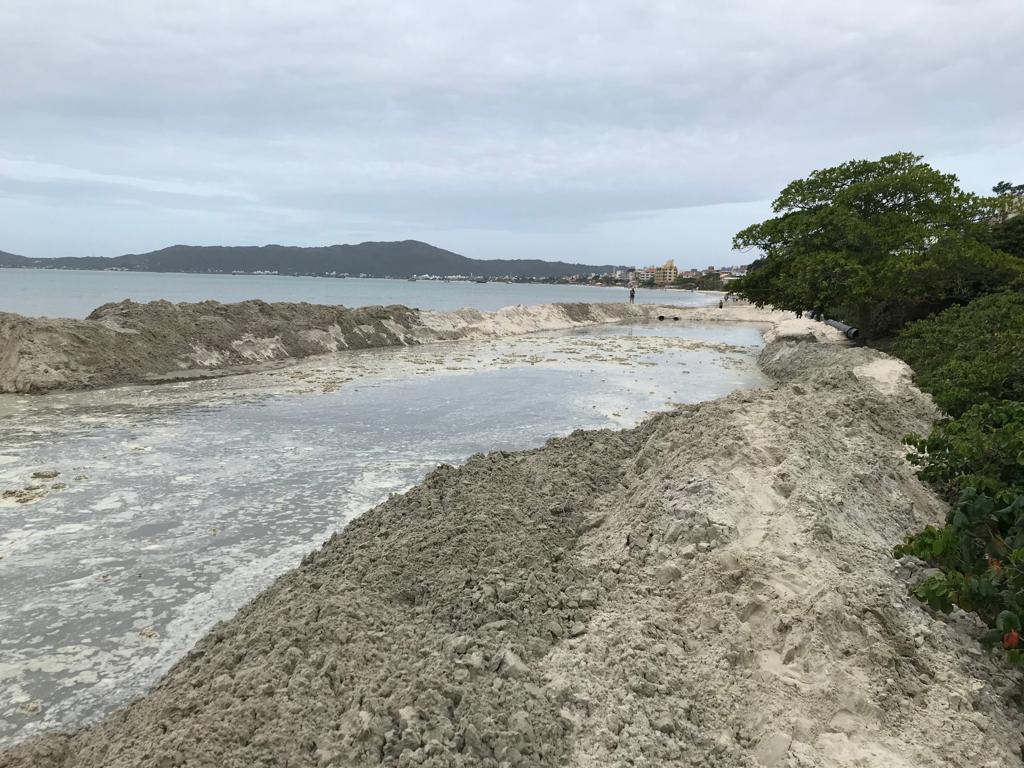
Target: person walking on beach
(720,304)
(632,293)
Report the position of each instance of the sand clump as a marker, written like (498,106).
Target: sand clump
(127,342)
(711,588)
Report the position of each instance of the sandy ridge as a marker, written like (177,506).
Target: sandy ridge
(127,342)
(711,588)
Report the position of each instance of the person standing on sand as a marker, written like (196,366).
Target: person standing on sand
(720,304)
(632,293)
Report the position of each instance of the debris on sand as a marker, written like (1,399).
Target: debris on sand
(26,495)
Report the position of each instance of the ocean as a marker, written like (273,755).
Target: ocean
(75,293)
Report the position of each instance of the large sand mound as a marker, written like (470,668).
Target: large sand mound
(711,588)
(160,341)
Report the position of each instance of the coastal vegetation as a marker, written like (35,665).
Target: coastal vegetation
(877,244)
(935,274)
(709,281)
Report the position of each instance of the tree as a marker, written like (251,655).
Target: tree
(1007,188)
(876,243)
(1007,233)
(709,281)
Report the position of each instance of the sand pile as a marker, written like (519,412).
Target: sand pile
(711,588)
(160,341)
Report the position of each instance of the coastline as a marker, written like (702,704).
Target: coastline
(159,342)
(711,587)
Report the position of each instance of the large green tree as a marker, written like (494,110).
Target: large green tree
(875,243)
(1008,228)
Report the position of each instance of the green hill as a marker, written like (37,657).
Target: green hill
(377,259)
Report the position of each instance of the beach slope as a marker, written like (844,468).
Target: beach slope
(126,342)
(711,588)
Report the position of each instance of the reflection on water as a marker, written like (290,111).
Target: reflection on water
(183,502)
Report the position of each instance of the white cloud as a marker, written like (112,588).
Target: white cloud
(478,123)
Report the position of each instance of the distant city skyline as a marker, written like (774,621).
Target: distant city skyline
(606,132)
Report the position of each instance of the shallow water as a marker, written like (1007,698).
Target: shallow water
(184,501)
(76,293)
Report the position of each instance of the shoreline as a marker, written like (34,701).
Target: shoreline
(711,587)
(161,342)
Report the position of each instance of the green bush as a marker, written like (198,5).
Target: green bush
(971,359)
(982,450)
(981,554)
(969,354)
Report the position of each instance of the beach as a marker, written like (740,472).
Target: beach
(712,587)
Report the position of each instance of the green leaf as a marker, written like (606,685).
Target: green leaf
(1007,620)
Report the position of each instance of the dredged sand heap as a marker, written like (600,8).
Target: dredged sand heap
(127,342)
(711,588)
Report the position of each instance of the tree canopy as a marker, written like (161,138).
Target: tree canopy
(876,243)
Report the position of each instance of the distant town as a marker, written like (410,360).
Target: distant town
(390,260)
(667,275)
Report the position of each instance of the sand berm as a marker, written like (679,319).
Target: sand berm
(711,588)
(127,342)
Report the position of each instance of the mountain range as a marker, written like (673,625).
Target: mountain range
(376,259)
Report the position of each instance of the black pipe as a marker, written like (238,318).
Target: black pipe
(847,330)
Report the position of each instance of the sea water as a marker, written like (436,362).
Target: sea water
(182,502)
(75,293)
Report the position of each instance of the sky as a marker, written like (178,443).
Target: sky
(624,132)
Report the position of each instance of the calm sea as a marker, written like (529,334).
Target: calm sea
(73,293)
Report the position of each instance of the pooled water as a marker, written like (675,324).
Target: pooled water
(182,502)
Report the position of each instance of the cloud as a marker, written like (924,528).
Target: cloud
(538,123)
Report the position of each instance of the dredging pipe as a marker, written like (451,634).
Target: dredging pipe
(847,330)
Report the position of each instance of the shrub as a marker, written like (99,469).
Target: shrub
(969,354)
(981,554)
(983,449)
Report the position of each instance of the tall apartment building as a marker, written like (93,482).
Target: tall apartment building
(666,273)
(662,275)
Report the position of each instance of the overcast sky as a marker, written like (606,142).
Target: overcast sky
(624,132)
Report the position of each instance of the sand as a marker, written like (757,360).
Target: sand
(711,588)
(127,342)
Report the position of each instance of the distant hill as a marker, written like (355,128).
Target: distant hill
(398,259)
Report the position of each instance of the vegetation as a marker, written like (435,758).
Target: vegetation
(1007,232)
(877,244)
(897,248)
(982,450)
(972,361)
(969,354)
(712,282)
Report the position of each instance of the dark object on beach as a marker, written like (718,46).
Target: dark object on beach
(661,317)
(848,330)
